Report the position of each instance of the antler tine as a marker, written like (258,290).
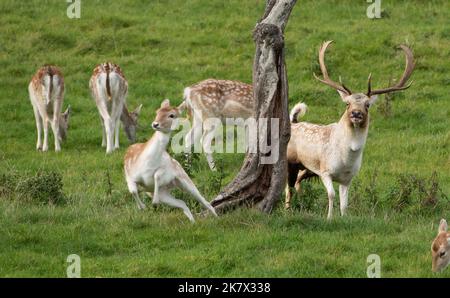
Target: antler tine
(405,76)
(326,79)
(369,84)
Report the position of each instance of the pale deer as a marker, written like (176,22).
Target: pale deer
(440,249)
(213,98)
(150,167)
(109,89)
(46,91)
(334,152)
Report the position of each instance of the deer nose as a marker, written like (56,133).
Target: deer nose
(155,124)
(356,114)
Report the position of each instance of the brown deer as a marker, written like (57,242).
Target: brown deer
(109,89)
(440,248)
(149,166)
(46,91)
(211,98)
(334,152)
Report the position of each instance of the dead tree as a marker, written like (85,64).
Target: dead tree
(258,184)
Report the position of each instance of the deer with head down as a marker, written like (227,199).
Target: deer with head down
(440,249)
(46,91)
(334,152)
(109,89)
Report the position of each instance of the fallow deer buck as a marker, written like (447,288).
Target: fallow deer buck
(213,98)
(334,152)
(440,248)
(46,91)
(149,166)
(109,89)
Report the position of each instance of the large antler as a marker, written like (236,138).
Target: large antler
(401,83)
(326,79)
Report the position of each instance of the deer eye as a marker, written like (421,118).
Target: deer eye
(172,116)
(442,254)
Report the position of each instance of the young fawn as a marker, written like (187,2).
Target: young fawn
(440,249)
(148,165)
(46,91)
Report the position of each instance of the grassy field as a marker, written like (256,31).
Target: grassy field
(396,201)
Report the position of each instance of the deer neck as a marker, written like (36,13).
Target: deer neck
(352,138)
(156,146)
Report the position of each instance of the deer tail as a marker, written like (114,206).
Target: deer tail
(298,110)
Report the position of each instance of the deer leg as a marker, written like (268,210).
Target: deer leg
(343,198)
(109,128)
(45,122)
(207,151)
(133,189)
(300,175)
(193,136)
(57,105)
(38,119)
(103,132)
(168,199)
(288,197)
(328,182)
(116,142)
(185,183)
(291,179)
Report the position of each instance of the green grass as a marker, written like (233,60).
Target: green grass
(164,46)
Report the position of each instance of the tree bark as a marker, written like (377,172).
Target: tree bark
(258,184)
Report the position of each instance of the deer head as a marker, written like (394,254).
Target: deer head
(130,122)
(165,117)
(440,249)
(358,104)
(64,124)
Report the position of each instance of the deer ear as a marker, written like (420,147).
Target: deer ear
(343,95)
(372,99)
(66,113)
(443,227)
(165,103)
(137,111)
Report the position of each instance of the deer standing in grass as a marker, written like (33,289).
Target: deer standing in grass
(149,166)
(109,89)
(440,249)
(46,91)
(220,99)
(334,152)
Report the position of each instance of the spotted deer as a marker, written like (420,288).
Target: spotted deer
(213,98)
(109,89)
(46,91)
(440,248)
(149,166)
(334,152)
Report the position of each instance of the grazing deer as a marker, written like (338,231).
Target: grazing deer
(46,91)
(148,165)
(440,249)
(220,99)
(109,89)
(334,152)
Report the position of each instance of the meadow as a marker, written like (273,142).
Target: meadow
(76,201)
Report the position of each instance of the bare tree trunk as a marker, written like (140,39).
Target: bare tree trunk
(259,184)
